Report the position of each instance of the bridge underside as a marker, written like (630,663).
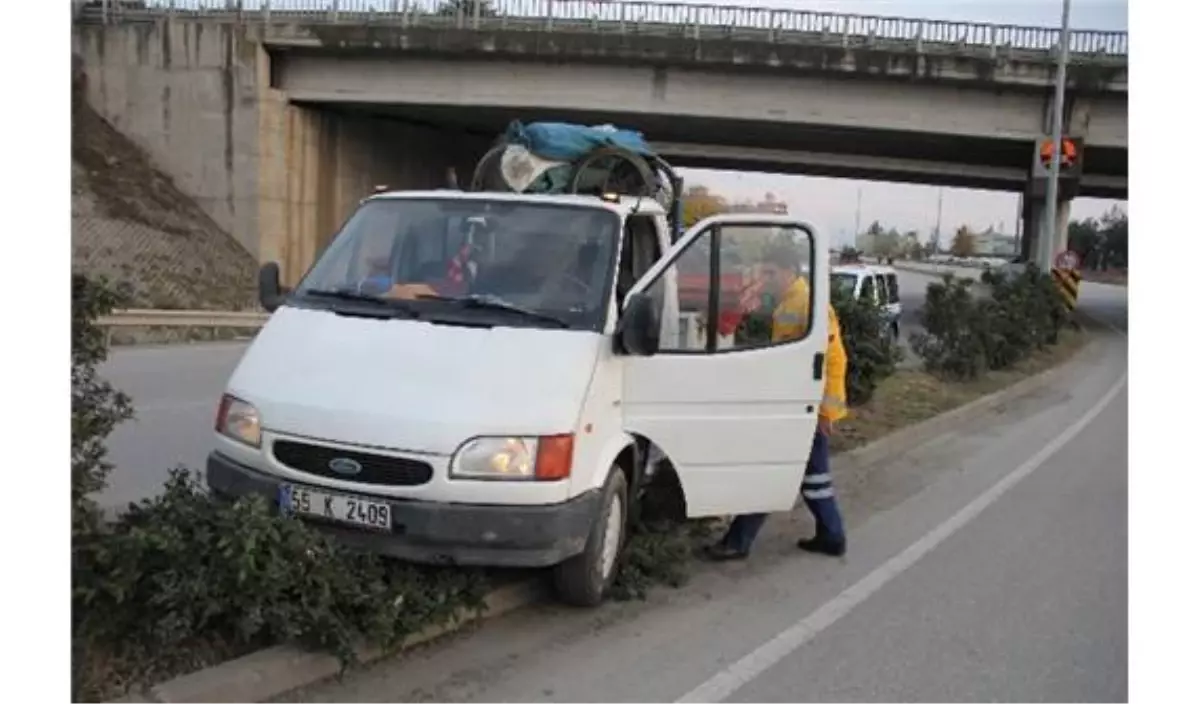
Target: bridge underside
(904,157)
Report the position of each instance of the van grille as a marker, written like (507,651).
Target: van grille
(373,469)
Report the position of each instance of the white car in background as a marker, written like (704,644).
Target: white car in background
(875,283)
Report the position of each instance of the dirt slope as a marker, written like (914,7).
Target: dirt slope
(130,223)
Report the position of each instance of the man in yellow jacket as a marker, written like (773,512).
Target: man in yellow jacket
(789,320)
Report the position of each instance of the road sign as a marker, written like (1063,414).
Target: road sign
(1068,153)
(1067,259)
(1068,285)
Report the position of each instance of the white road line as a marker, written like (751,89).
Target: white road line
(729,680)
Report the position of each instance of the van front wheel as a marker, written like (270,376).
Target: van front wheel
(584,579)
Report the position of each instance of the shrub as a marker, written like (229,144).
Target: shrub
(871,352)
(966,334)
(950,343)
(96,407)
(659,552)
(183,580)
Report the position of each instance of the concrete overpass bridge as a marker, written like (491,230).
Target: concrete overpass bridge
(277,116)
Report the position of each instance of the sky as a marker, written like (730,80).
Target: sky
(829,204)
(1109,15)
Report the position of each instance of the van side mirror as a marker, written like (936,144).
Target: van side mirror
(639,328)
(270,292)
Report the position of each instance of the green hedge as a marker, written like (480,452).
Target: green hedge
(971,328)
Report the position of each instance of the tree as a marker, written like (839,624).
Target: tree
(466,8)
(910,246)
(881,243)
(1115,230)
(963,244)
(1083,238)
(1101,244)
(700,203)
(890,245)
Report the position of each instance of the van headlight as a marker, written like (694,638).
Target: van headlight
(546,458)
(238,420)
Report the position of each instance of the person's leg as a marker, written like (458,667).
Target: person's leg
(817,491)
(744,530)
(739,538)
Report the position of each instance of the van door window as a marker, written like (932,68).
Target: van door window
(760,297)
(893,289)
(868,289)
(843,284)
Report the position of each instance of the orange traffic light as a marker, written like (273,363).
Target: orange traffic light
(1067,156)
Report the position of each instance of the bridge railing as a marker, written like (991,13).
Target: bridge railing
(647,16)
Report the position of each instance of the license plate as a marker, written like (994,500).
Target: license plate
(340,508)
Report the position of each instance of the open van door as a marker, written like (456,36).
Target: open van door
(735,408)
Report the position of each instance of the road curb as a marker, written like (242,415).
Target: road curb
(274,671)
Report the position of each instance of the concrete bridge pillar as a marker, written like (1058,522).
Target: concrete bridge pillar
(1033,227)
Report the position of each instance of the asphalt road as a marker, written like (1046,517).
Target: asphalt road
(988,564)
(175,389)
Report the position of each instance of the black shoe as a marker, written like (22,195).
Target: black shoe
(823,545)
(724,553)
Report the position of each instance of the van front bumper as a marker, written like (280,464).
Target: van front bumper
(441,533)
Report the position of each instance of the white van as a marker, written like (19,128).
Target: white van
(490,379)
(875,283)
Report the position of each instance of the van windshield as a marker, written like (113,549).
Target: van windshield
(469,260)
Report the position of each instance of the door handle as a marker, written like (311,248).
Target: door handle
(818,366)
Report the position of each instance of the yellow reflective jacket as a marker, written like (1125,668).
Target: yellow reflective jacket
(790,321)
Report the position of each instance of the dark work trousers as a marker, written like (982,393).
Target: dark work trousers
(817,491)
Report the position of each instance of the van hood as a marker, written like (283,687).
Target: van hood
(412,385)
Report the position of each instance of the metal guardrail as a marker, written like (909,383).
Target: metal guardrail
(147,318)
(646,17)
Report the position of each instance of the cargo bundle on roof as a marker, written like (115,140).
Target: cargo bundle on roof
(565,158)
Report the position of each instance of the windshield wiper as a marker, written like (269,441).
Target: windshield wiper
(490,302)
(348,295)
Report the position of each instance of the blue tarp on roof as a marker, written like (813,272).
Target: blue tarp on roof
(563,141)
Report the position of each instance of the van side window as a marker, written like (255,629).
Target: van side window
(761,294)
(893,289)
(868,289)
(639,251)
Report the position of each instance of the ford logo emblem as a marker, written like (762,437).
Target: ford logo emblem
(345,466)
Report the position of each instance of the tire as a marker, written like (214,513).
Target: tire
(625,161)
(895,332)
(584,580)
(487,175)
